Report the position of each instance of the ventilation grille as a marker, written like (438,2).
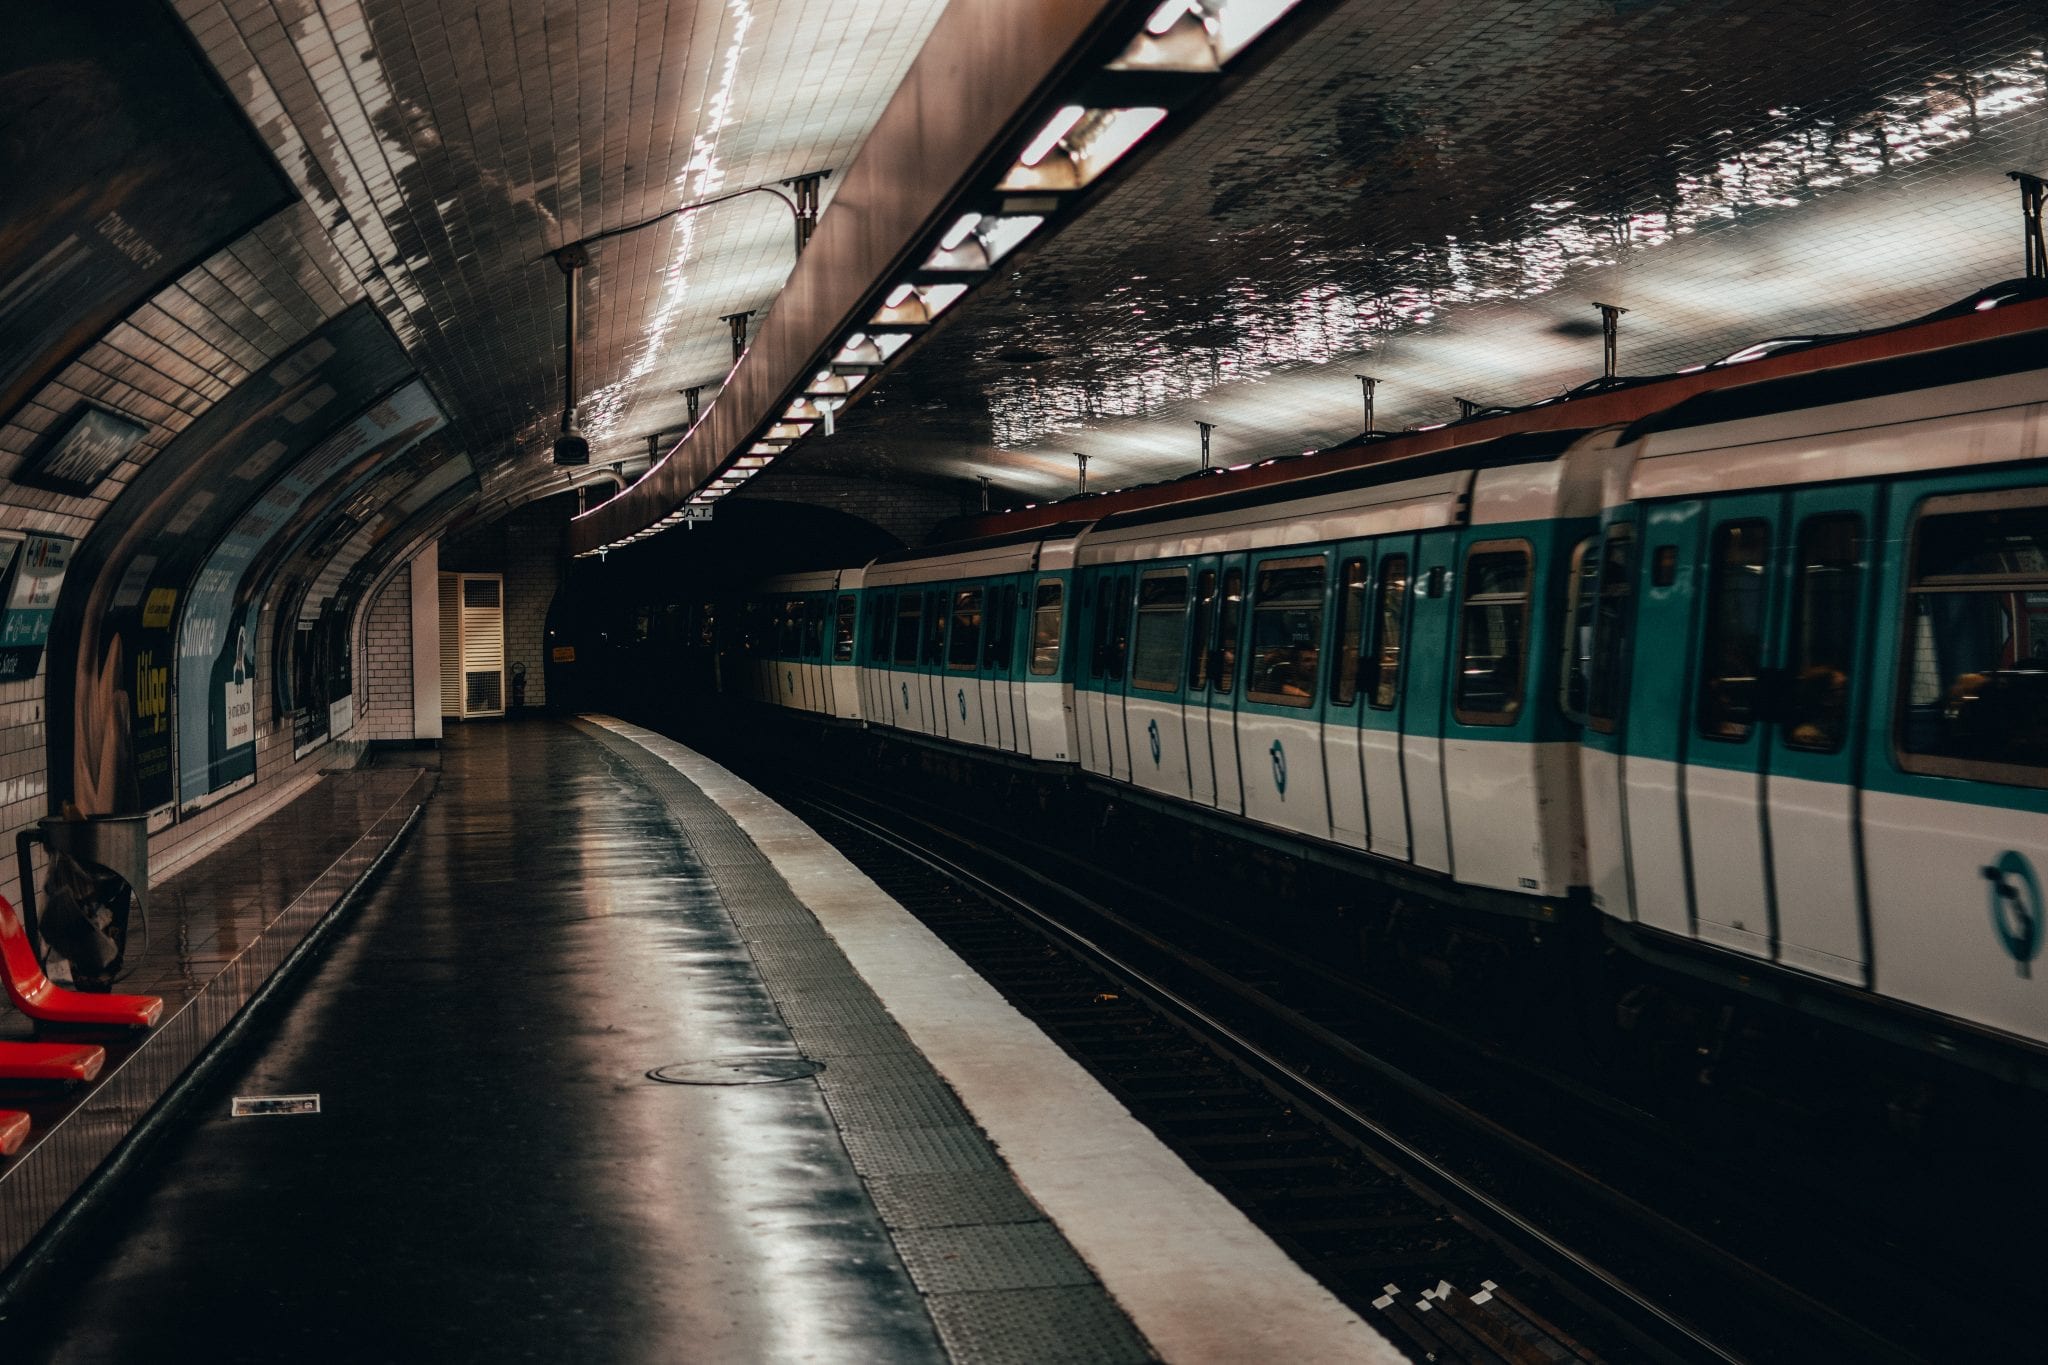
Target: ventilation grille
(480,592)
(484,692)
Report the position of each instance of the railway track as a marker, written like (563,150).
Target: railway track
(1356,1166)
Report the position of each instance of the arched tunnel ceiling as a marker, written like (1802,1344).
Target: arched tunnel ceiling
(1435,194)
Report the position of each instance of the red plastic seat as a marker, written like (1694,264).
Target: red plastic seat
(41,999)
(51,1061)
(13,1131)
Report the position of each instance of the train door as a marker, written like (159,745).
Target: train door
(1343,740)
(844,669)
(1122,594)
(906,688)
(960,683)
(879,612)
(1201,656)
(1381,685)
(1279,731)
(932,660)
(1725,749)
(1091,668)
(1048,721)
(1154,702)
(1225,682)
(994,672)
(1431,624)
(1812,771)
(1660,710)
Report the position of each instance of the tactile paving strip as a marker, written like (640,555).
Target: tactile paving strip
(1002,1284)
(1074,1326)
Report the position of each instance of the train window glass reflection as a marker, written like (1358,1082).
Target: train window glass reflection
(881,620)
(842,630)
(1821,651)
(935,628)
(1493,633)
(1976,640)
(1287,632)
(1046,612)
(1733,651)
(1162,630)
(908,619)
(1582,589)
(1388,622)
(966,639)
(1204,617)
(1350,632)
(1611,617)
(1229,616)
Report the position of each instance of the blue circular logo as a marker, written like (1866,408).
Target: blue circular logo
(1152,729)
(1280,769)
(2016,907)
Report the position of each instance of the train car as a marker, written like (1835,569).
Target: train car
(1762,680)
(1816,704)
(1371,659)
(797,641)
(967,644)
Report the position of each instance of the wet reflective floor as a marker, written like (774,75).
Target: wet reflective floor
(491,1176)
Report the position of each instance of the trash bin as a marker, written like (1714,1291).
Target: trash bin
(112,849)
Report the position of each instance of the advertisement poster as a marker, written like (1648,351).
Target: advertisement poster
(125,165)
(218,628)
(34,571)
(131,579)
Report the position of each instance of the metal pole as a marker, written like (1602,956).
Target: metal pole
(984,492)
(1206,427)
(1610,337)
(1082,461)
(571,260)
(1368,384)
(738,323)
(2033,194)
(693,396)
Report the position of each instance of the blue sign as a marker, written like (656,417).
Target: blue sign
(2016,908)
(1280,769)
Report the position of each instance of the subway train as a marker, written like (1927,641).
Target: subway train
(1759,681)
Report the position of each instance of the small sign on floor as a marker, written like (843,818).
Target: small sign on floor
(246,1106)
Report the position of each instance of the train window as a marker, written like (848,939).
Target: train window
(1664,566)
(1975,672)
(935,628)
(814,628)
(1611,620)
(1350,632)
(966,641)
(1383,670)
(842,630)
(1162,630)
(1119,612)
(1205,616)
(1047,613)
(1733,652)
(1493,652)
(1821,652)
(1582,589)
(1287,632)
(1229,615)
(881,619)
(909,617)
(997,628)
(1098,657)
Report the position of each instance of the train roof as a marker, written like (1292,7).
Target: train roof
(1065,530)
(2004,355)
(1526,447)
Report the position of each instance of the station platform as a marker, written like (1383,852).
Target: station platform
(872,1156)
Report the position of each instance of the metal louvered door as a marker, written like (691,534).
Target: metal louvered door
(483,645)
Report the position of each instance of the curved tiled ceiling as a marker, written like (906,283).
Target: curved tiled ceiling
(1435,193)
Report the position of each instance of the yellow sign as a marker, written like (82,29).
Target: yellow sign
(564,654)
(156,612)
